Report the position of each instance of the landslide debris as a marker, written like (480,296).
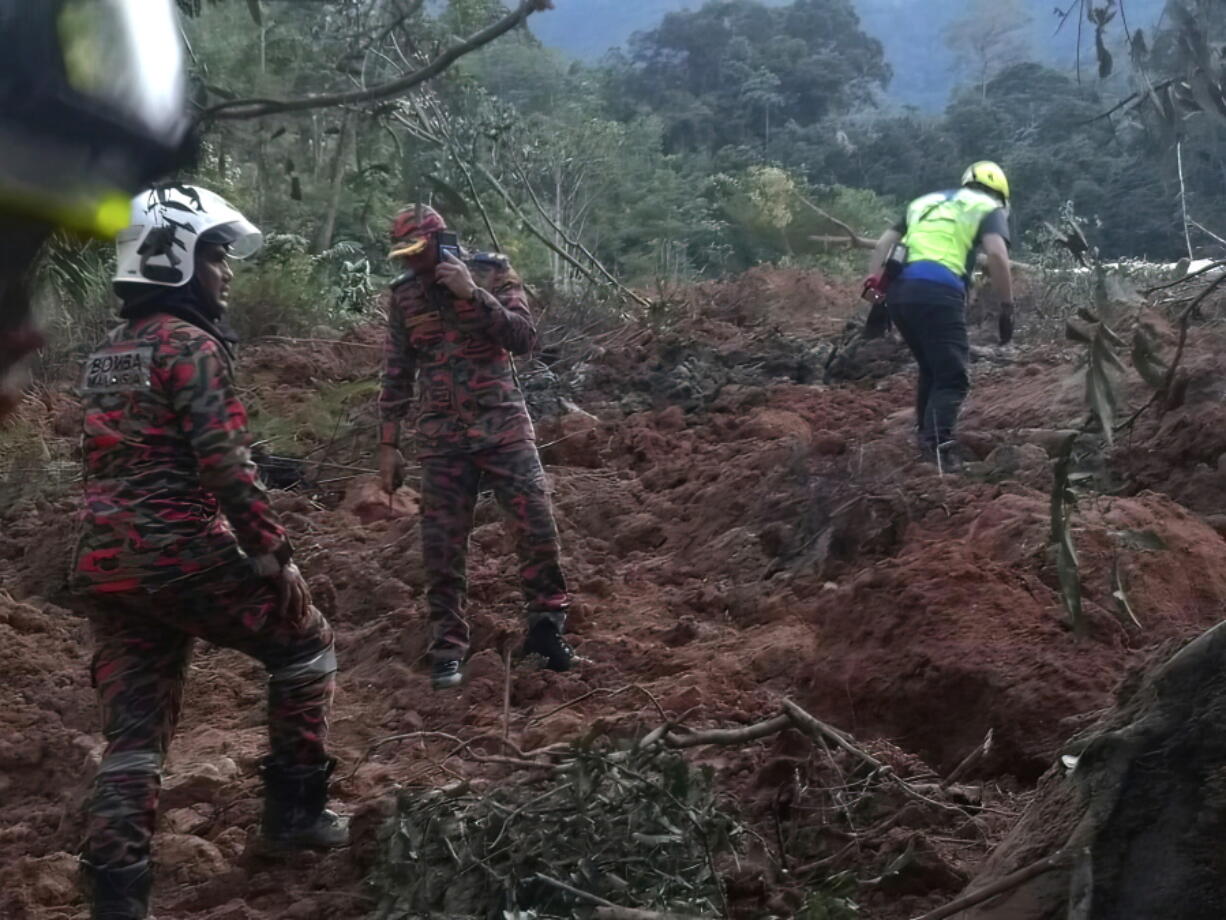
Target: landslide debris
(735,533)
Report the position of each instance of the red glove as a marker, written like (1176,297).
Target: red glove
(874,289)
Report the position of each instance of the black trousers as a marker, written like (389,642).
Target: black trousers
(932,321)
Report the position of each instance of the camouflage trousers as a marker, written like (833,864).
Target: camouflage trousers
(450,485)
(143,643)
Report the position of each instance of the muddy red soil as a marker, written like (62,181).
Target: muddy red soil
(735,532)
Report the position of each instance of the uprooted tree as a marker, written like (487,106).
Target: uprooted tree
(1129,824)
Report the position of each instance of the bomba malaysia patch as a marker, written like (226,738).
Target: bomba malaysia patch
(117,371)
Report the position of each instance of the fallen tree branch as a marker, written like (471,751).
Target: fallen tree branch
(1185,279)
(1185,319)
(630,913)
(521,760)
(816,728)
(609,910)
(854,239)
(1056,861)
(1135,96)
(728,735)
(860,242)
(257,108)
(600,692)
(562,234)
(969,761)
(554,247)
(577,892)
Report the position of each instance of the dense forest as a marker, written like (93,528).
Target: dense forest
(912,32)
(723,136)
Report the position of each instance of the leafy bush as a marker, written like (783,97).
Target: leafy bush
(286,290)
(632,827)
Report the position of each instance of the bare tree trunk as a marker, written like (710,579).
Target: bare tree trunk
(323,238)
(556,262)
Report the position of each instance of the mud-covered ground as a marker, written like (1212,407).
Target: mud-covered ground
(736,532)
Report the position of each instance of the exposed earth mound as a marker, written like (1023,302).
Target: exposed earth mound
(737,532)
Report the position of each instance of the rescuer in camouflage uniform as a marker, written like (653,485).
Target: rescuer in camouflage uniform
(453,325)
(179,542)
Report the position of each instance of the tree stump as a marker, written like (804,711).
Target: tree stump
(1141,817)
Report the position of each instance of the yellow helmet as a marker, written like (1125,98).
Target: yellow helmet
(989,175)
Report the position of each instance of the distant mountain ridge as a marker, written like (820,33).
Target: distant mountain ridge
(910,30)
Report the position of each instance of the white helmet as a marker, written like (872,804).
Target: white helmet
(168,223)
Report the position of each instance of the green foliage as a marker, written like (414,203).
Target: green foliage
(286,290)
(681,156)
(74,300)
(725,73)
(295,429)
(635,828)
(833,900)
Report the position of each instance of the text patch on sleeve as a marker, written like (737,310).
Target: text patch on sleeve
(118,371)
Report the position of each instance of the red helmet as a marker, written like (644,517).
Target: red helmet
(412,227)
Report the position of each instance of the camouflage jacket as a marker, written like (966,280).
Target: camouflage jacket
(170,487)
(460,354)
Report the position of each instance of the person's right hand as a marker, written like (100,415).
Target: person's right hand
(391,468)
(873,289)
(294,596)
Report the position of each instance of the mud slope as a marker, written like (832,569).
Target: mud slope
(735,532)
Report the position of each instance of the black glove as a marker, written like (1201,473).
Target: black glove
(878,322)
(1005,323)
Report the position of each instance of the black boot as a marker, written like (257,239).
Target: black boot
(118,894)
(445,674)
(294,813)
(545,639)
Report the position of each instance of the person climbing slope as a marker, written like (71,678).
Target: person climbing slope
(922,268)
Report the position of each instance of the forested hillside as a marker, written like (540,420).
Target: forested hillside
(911,31)
(693,150)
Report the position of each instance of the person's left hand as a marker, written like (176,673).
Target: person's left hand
(455,276)
(1004,323)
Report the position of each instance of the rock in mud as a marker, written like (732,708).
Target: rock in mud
(366,500)
(188,859)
